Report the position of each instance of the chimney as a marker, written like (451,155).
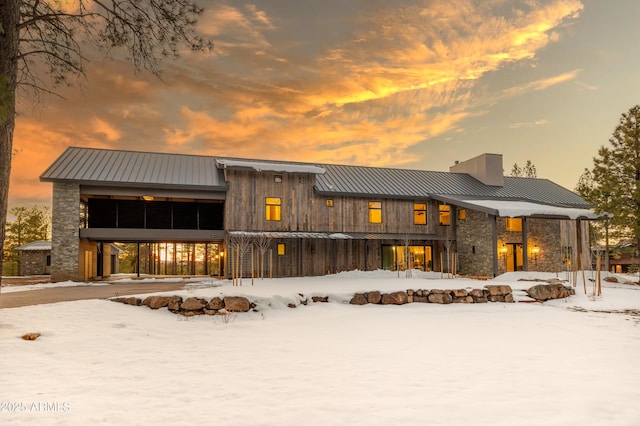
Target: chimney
(487,168)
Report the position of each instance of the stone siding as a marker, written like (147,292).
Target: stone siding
(65,232)
(475,249)
(34,262)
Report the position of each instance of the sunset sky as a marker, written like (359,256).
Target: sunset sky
(409,84)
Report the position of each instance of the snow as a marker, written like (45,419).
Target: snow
(41,286)
(271,167)
(524,208)
(99,362)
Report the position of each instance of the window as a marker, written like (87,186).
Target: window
(282,249)
(419,214)
(48,259)
(273,208)
(445,214)
(329,202)
(277,178)
(462,214)
(375,212)
(514,224)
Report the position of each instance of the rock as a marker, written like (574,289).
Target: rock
(463,299)
(441,298)
(542,292)
(459,293)
(210,311)
(610,279)
(216,303)
(509,298)
(156,302)
(191,313)
(420,299)
(291,305)
(134,301)
(321,299)
(174,303)
(476,292)
(358,299)
(193,304)
(409,292)
(482,299)
(395,298)
(409,299)
(498,290)
(31,336)
(437,291)
(418,293)
(374,297)
(496,298)
(237,304)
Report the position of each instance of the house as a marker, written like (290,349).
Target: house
(314,218)
(35,258)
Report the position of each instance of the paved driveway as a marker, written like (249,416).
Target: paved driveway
(64,294)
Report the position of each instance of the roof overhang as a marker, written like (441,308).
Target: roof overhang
(334,235)
(519,208)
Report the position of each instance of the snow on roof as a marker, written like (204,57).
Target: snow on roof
(35,246)
(524,208)
(260,166)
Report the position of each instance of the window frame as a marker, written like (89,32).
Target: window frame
(328,202)
(273,209)
(444,210)
(375,211)
(417,212)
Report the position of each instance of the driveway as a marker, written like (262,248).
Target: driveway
(65,294)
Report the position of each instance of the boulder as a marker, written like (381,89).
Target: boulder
(542,292)
(156,302)
(174,303)
(496,298)
(237,304)
(193,304)
(30,336)
(358,299)
(441,298)
(476,292)
(509,298)
(374,297)
(410,292)
(216,303)
(395,298)
(420,299)
(321,299)
(610,279)
(463,299)
(498,290)
(134,301)
(459,293)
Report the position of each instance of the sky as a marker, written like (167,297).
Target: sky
(406,84)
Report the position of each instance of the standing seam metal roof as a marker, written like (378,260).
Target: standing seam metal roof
(101,166)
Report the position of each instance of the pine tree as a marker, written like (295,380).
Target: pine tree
(616,177)
(528,170)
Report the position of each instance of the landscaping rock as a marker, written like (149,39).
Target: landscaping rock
(610,279)
(134,301)
(463,299)
(476,292)
(509,298)
(210,311)
(320,299)
(30,336)
(496,298)
(420,299)
(193,304)
(174,303)
(498,290)
(358,299)
(237,304)
(459,293)
(441,298)
(156,302)
(542,292)
(374,297)
(216,303)
(395,298)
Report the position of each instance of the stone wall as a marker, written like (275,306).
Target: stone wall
(475,248)
(65,232)
(34,262)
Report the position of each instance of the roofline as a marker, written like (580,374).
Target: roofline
(152,185)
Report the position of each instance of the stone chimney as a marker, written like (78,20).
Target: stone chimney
(487,168)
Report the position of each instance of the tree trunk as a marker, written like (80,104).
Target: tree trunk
(9,42)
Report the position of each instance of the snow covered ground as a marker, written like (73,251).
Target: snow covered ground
(565,362)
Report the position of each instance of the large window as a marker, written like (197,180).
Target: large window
(445,214)
(419,214)
(514,224)
(273,206)
(375,212)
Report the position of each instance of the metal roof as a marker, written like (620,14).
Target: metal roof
(146,169)
(415,184)
(109,167)
(334,235)
(40,245)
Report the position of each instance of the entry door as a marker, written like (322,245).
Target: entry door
(514,257)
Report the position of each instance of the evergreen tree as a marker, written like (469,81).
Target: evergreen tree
(51,38)
(27,226)
(615,178)
(528,170)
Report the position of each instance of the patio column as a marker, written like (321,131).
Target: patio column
(525,246)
